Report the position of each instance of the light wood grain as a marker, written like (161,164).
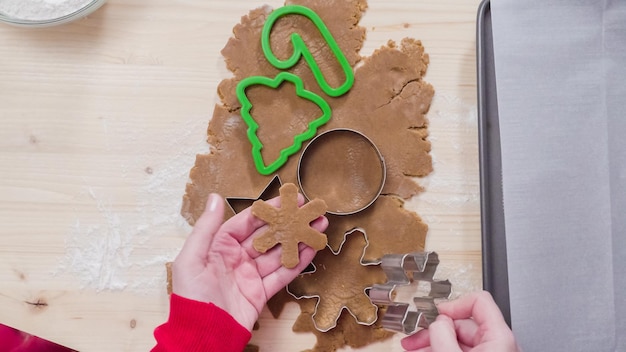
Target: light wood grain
(101,121)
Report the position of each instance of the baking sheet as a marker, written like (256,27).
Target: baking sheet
(495,273)
(560,77)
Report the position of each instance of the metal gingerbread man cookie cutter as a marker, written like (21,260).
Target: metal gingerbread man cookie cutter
(403,270)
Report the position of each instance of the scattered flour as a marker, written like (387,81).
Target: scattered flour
(125,245)
(451,189)
(453,134)
(40,10)
(126,248)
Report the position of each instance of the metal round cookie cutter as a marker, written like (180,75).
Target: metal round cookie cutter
(344,168)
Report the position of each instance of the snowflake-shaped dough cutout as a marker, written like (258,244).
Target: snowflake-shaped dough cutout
(289,225)
(337,284)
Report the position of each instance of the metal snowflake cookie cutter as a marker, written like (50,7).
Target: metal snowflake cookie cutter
(362,260)
(313,268)
(403,270)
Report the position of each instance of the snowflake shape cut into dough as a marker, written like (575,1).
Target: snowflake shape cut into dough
(289,225)
(338,284)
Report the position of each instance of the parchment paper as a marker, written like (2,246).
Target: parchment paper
(561,73)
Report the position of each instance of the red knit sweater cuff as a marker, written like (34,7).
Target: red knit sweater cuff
(198,326)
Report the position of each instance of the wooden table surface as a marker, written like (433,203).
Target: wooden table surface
(101,121)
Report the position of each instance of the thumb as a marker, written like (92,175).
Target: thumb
(442,335)
(199,241)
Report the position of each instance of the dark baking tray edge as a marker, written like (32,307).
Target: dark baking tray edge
(494,257)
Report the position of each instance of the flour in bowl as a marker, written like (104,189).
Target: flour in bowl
(40,10)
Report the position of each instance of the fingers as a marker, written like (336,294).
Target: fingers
(420,339)
(270,261)
(465,329)
(198,243)
(463,324)
(320,224)
(276,280)
(244,224)
(479,306)
(467,332)
(275,275)
(442,335)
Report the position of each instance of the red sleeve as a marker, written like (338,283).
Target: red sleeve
(198,326)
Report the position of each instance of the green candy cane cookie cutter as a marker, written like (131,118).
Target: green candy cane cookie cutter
(300,51)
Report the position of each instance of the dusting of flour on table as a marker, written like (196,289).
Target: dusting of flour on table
(40,10)
(113,245)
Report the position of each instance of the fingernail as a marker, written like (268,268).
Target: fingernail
(443,318)
(213,202)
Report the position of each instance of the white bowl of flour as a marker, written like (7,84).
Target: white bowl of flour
(42,13)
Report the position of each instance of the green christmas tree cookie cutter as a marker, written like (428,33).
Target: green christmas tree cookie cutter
(300,51)
(253,126)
